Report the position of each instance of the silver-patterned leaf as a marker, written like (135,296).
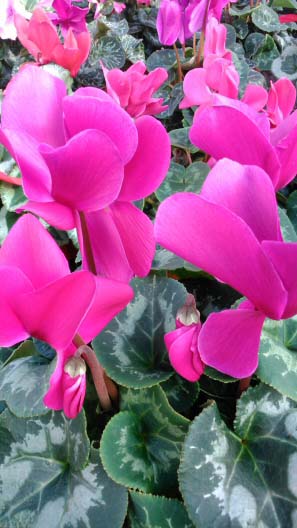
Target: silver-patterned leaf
(266,19)
(131,348)
(245,479)
(179,179)
(286,64)
(151,511)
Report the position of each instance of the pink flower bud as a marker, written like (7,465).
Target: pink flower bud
(74,386)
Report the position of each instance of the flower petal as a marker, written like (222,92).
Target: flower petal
(150,163)
(225,132)
(54,313)
(31,248)
(87,172)
(82,113)
(216,240)
(284,257)
(179,344)
(137,235)
(57,215)
(33,104)
(229,341)
(248,192)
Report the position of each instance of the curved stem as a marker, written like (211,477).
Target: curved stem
(200,54)
(179,69)
(105,387)
(10,179)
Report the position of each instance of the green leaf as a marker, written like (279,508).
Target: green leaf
(246,479)
(140,447)
(266,19)
(172,98)
(109,50)
(12,196)
(179,179)
(157,512)
(180,138)
(266,54)
(49,480)
(241,28)
(165,58)
(286,64)
(133,48)
(253,43)
(287,222)
(181,393)
(292,210)
(131,348)
(291,4)
(242,68)
(278,357)
(165,260)
(23,385)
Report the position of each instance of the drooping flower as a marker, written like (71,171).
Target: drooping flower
(128,161)
(133,89)
(231,230)
(38,289)
(281,100)
(182,343)
(41,39)
(69,16)
(234,129)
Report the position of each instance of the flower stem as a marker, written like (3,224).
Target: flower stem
(105,387)
(87,243)
(244,385)
(179,69)
(200,53)
(10,179)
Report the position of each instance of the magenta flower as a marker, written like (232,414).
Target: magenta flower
(281,100)
(231,230)
(37,290)
(233,129)
(133,89)
(84,154)
(180,19)
(68,16)
(182,343)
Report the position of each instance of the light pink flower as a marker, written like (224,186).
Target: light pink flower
(8,9)
(231,230)
(133,89)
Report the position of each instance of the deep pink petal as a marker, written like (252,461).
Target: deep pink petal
(150,163)
(91,91)
(229,341)
(31,248)
(169,21)
(216,240)
(179,344)
(287,153)
(12,284)
(35,174)
(83,113)
(255,96)
(281,100)
(57,215)
(55,395)
(137,235)
(54,313)
(284,257)
(108,250)
(225,132)
(195,88)
(87,172)
(248,192)
(33,104)
(110,298)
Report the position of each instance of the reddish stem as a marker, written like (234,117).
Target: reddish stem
(10,179)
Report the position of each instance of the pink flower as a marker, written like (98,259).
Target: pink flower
(40,38)
(84,154)
(133,89)
(37,290)
(68,16)
(182,343)
(281,100)
(284,19)
(233,129)
(231,230)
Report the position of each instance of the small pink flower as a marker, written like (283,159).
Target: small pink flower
(182,343)
(133,89)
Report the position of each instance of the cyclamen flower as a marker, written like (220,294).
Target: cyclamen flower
(232,231)
(182,343)
(37,290)
(40,38)
(133,88)
(233,129)
(68,16)
(180,19)
(84,154)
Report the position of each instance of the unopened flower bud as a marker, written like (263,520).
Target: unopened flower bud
(75,366)
(188,313)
